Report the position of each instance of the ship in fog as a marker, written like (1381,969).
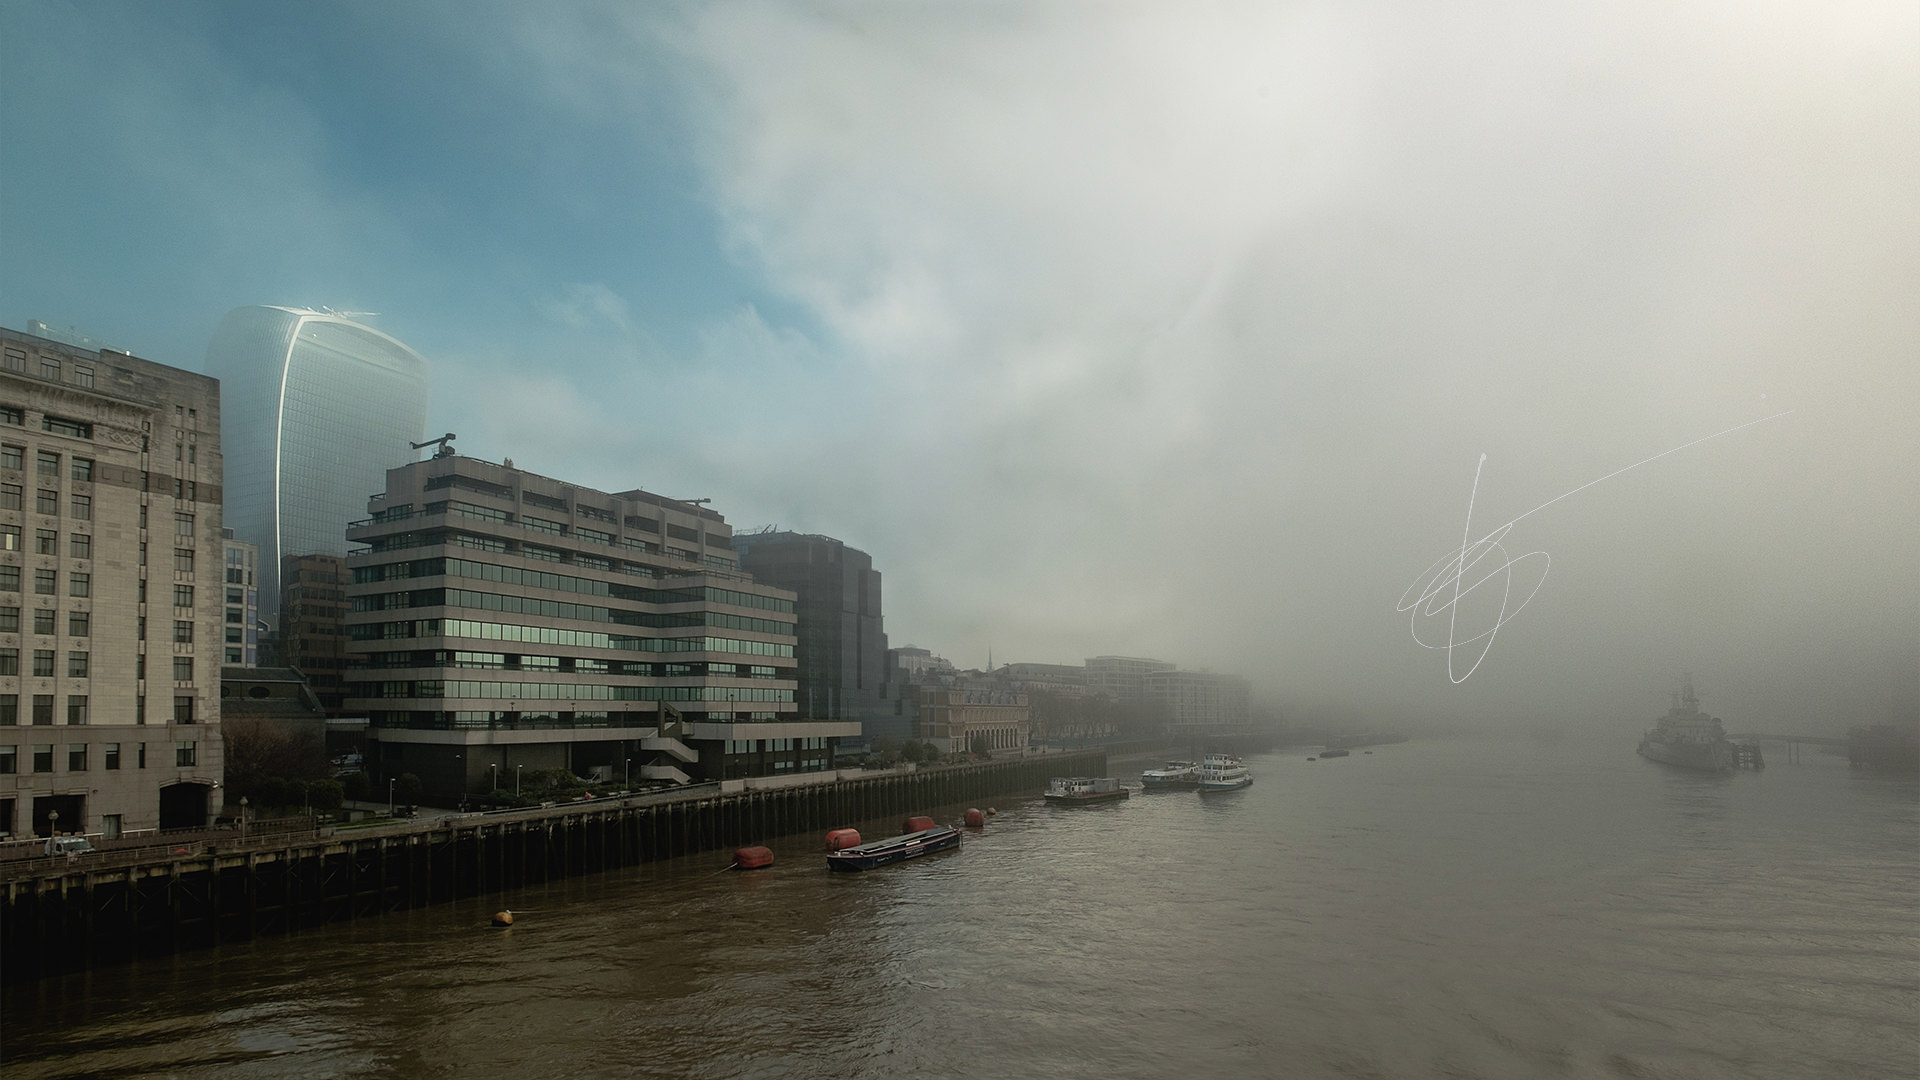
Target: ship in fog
(1688,738)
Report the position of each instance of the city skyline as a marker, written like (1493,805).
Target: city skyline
(1115,330)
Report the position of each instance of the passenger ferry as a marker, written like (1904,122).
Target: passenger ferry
(1075,790)
(1176,776)
(1223,772)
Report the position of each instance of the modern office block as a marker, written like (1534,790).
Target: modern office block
(111,568)
(841,654)
(241,623)
(318,408)
(503,621)
(313,624)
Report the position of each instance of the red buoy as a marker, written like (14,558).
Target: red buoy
(841,839)
(976,819)
(917,824)
(752,858)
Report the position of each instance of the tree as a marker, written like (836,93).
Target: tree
(358,786)
(327,795)
(982,746)
(407,788)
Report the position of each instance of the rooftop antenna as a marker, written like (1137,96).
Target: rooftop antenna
(442,442)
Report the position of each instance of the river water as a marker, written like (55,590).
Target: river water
(1464,907)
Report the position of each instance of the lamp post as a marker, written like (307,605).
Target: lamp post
(628,783)
(391,780)
(516,780)
(53,823)
(495,766)
(243,817)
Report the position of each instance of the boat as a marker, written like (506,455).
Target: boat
(1334,753)
(1176,776)
(1223,772)
(1687,738)
(894,849)
(1078,790)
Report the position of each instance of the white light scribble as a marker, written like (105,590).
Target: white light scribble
(1437,592)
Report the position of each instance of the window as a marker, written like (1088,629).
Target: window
(183,710)
(46,542)
(183,596)
(110,756)
(77,709)
(79,584)
(9,620)
(13,457)
(140,717)
(10,575)
(10,709)
(140,627)
(47,463)
(60,425)
(9,760)
(43,583)
(43,758)
(9,661)
(9,538)
(143,553)
(81,507)
(183,669)
(78,624)
(183,631)
(11,497)
(11,415)
(43,620)
(42,710)
(80,546)
(185,754)
(140,666)
(183,524)
(142,594)
(141,761)
(82,469)
(49,369)
(183,560)
(47,502)
(16,360)
(43,663)
(77,665)
(82,376)
(77,757)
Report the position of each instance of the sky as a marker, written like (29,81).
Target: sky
(1189,331)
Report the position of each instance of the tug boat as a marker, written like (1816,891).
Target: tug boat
(1076,790)
(1176,776)
(1223,772)
(894,849)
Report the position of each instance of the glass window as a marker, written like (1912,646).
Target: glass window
(78,624)
(47,502)
(9,620)
(43,663)
(82,376)
(46,542)
(79,584)
(80,546)
(43,758)
(13,457)
(47,463)
(77,708)
(185,753)
(10,577)
(60,425)
(183,710)
(49,369)
(182,630)
(183,524)
(9,538)
(44,582)
(110,756)
(183,560)
(43,620)
(77,665)
(77,757)
(183,669)
(9,760)
(82,507)
(9,661)
(82,468)
(42,709)
(183,596)
(12,496)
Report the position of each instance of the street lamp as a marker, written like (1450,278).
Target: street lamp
(243,817)
(390,783)
(53,823)
(516,780)
(495,766)
(629,781)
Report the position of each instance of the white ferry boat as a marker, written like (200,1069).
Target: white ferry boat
(1223,772)
(1177,775)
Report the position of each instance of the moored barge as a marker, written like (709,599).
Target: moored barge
(894,849)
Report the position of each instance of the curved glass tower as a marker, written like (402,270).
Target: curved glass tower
(317,408)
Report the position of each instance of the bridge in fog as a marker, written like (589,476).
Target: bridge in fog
(1793,742)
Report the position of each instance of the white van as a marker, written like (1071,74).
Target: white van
(68,845)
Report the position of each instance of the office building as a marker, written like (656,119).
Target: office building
(503,621)
(313,624)
(242,609)
(841,654)
(1123,678)
(111,560)
(318,407)
(959,719)
(1194,703)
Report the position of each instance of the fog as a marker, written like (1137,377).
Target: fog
(1190,332)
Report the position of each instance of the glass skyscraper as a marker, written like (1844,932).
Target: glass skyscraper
(317,408)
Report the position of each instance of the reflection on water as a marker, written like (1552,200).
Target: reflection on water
(1475,908)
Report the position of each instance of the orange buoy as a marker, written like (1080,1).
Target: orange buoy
(975,819)
(917,824)
(841,839)
(503,918)
(752,858)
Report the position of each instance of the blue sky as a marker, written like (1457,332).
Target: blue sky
(1104,328)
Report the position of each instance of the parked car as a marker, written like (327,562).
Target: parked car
(68,845)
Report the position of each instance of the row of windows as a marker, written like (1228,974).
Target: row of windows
(46,462)
(45,663)
(79,623)
(77,709)
(16,360)
(435,688)
(185,755)
(456,598)
(46,502)
(46,582)
(45,541)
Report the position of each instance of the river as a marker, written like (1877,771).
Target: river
(1459,907)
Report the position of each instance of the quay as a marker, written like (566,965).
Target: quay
(73,913)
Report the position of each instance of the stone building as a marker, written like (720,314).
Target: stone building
(111,571)
(951,717)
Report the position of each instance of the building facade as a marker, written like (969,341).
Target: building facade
(953,718)
(840,657)
(1123,678)
(1195,703)
(241,629)
(111,571)
(318,407)
(501,621)
(313,624)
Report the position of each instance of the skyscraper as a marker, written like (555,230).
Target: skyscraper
(318,408)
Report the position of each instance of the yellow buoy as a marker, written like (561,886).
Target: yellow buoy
(503,918)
